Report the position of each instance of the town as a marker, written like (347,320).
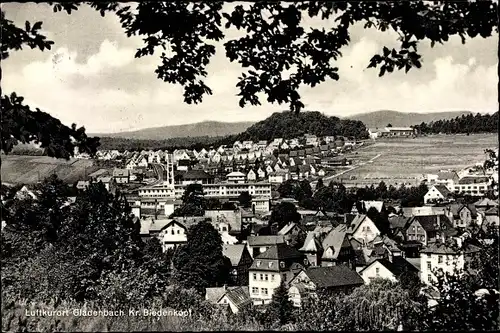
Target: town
(249,166)
(321,249)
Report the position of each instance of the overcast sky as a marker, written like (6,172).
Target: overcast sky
(92,78)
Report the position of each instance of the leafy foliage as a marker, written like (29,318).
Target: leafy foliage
(465,124)
(200,264)
(290,125)
(282,214)
(192,202)
(245,199)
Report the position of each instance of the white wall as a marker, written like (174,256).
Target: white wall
(377,270)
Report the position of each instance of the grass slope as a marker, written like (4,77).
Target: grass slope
(17,169)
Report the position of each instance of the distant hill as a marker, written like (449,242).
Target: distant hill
(206,128)
(401,119)
(289,125)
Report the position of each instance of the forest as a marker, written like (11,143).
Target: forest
(466,124)
(290,125)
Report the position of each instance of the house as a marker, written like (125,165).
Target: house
(260,244)
(225,220)
(491,217)
(173,233)
(241,260)
(236,177)
(485,204)
(251,176)
(236,298)
(121,176)
(363,229)
(473,185)
(462,215)
(279,263)
(305,285)
(312,248)
(292,232)
(443,256)
(337,248)
(390,269)
(279,176)
(437,193)
(261,173)
(82,185)
(429,229)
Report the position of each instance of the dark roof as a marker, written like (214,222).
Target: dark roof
(333,276)
(442,189)
(239,296)
(473,180)
(398,265)
(440,248)
(430,222)
(398,221)
(280,252)
(196,174)
(265,240)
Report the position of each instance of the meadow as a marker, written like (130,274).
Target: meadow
(22,169)
(406,160)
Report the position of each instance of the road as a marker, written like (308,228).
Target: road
(329,178)
(159,169)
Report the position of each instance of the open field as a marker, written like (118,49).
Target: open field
(19,169)
(405,160)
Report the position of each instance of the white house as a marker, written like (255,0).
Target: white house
(441,256)
(236,298)
(436,193)
(172,235)
(251,175)
(363,229)
(390,269)
(236,177)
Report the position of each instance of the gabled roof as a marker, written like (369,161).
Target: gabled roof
(430,222)
(234,252)
(473,180)
(447,175)
(239,296)
(397,266)
(196,174)
(356,222)
(378,205)
(280,252)
(287,228)
(398,221)
(265,240)
(441,248)
(486,202)
(311,244)
(442,189)
(335,239)
(333,276)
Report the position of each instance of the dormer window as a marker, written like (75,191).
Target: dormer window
(270,264)
(259,263)
(282,264)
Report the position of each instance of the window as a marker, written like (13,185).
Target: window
(259,263)
(263,291)
(173,232)
(261,277)
(255,276)
(266,277)
(377,271)
(429,265)
(255,290)
(282,264)
(429,278)
(272,277)
(440,259)
(178,231)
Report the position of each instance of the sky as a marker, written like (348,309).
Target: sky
(90,77)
